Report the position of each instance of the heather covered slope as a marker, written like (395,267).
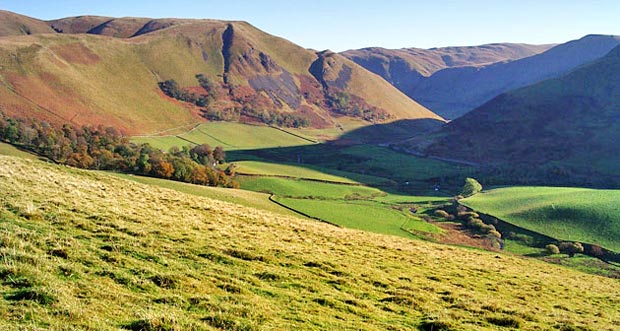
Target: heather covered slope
(86,250)
(110,76)
(568,125)
(12,24)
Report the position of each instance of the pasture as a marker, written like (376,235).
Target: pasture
(572,214)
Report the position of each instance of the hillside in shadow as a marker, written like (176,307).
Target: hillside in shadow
(365,154)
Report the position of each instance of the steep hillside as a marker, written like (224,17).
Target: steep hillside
(566,126)
(113,74)
(452,91)
(86,250)
(406,67)
(12,24)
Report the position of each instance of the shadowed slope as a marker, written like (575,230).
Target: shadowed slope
(570,123)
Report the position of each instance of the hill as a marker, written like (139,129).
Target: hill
(12,24)
(562,130)
(407,67)
(570,214)
(144,75)
(90,251)
(452,92)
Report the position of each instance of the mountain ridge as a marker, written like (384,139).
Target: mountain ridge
(451,92)
(251,76)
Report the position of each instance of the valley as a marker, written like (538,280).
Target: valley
(200,174)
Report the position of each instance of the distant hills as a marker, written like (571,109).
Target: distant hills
(453,87)
(562,130)
(100,70)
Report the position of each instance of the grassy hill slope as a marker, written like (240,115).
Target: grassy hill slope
(572,214)
(12,24)
(563,130)
(90,251)
(110,76)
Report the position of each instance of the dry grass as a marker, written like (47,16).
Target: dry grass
(84,250)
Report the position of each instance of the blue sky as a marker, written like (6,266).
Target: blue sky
(347,24)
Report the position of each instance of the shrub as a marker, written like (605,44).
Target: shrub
(441,213)
(571,248)
(471,187)
(495,234)
(552,249)
(475,223)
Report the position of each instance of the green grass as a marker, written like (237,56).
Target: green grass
(230,135)
(361,215)
(305,171)
(304,188)
(577,214)
(10,150)
(401,167)
(241,197)
(89,251)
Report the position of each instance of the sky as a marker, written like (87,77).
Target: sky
(349,24)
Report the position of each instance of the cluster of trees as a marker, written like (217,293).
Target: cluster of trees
(172,89)
(567,247)
(289,120)
(350,105)
(105,149)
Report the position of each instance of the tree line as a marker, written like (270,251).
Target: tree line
(104,148)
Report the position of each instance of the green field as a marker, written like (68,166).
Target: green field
(362,215)
(577,214)
(230,135)
(242,197)
(306,172)
(303,188)
(10,150)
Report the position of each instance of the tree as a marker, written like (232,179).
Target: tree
(471,187)
(161,168)
(571,248)
(219,155)
(552,249)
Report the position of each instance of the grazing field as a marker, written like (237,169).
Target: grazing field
(401,167)
(361,215)
(307,172)
(230,135)
(577,214)
(86,250)
(10,150)
(242,197)
(303,188)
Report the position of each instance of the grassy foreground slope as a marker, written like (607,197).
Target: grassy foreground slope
(578,214)
(85,250)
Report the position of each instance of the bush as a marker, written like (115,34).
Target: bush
(441,213)
(571,248)
(475,223)
(552,249)
(495,234)
(467,215)
(471,187)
